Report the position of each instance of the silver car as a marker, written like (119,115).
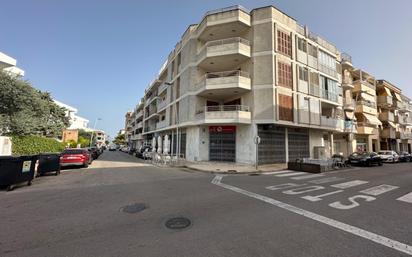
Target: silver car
(389,156)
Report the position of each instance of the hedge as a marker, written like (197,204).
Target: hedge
(27,145)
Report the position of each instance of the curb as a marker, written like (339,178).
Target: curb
(257,172)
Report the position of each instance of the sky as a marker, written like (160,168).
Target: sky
(100,55)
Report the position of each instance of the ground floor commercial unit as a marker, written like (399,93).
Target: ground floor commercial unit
(236,143)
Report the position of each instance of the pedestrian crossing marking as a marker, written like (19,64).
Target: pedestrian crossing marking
(289,174)
(325,180)
(278,172)
(349,184)
(307,176)
(406,198)
(378,190)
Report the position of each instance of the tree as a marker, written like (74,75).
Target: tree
(27,111)
(119,139)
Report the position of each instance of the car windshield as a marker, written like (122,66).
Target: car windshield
(385,152)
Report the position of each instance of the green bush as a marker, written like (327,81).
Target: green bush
(27,145)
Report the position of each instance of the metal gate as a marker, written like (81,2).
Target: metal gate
(222,144)
(298,143)
(272,144)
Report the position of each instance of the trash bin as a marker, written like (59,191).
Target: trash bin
(49,162)
(16,169)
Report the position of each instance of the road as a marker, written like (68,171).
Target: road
(82,212)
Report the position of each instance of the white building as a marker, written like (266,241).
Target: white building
(76,122)
(8,64)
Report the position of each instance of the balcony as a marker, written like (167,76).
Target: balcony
(225,114)
(387,116)
(331,122)
(349,126)
(161,124)
(364,86)
(161,104)
(224,54)
(349,104)
(162,88)
(346,59)
(151,99)
(366,107)
(388,132)
(404,135)
(365,128)
(224,84)
(234,20)
(139,114)
(401,106)
(384,101)
(140,125)
(330,96)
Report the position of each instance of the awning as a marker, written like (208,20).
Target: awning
(387,91)
(372,119)
(398,97)
(368,97)
(393,125)
(350,115)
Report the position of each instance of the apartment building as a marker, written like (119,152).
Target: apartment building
(75,121)
(240,75)
(8,65)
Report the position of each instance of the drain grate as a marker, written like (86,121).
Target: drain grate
(133,208)
(178,223)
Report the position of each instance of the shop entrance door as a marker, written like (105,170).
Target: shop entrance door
(222,143)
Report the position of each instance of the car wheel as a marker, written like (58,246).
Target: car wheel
(86,165)
(380,163)
(10,187)
(368,163)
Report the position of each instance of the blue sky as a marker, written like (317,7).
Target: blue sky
(98,55)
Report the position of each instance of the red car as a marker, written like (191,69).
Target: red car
(75,157)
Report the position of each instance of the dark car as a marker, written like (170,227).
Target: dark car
(140,152)
(94,152)
(404,157)
(365,159)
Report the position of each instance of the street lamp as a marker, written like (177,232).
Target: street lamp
(177,126)
(94,128)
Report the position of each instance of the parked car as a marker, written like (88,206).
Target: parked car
(125,149)
(112,147)
(365,159)
(94,152)
(389,156)
(142,150)
(405,157)
(75,157)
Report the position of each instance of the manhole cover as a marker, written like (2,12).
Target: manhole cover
(178,223)
(134,208)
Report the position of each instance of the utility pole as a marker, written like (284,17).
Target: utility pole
(94,128)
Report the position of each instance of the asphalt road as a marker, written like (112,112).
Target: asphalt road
(81,213)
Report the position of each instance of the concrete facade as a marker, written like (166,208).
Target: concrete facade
(239,75)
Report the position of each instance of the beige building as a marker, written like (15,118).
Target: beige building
(239,75)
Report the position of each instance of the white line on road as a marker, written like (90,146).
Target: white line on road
(378,190)
(406,198)
(315,198)
(349,184)
(385,241)
(325,180)
(277,172)
(308,176)
(289,174)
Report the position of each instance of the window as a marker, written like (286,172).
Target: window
(302,44)
(303,73)
(312,51)
(314,78)
(285,107)
(284,75)
(284,43)
(330,89)
(327,60)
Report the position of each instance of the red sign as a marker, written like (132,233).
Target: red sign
(222,129)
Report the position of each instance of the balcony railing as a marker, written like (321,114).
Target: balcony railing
(331,122)
(161,104)
(161,124)
(366,83)
(346,57)
(225,108)
(366,103)
(384,100)
(328,95)
(235,73)
(221,42)
(350,126)
(161,88)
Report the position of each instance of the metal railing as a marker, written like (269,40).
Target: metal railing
(224,108)
(346,57)
(222,74)
(223,42)
(366,103)
(328,95)
(366,83)
(331,122)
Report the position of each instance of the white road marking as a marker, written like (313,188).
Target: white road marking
(353,203)
(283,186)
(315,198)
(301,190)
(325,180)
(307,176)
(378,190)
(290,174)
(349,184)
(406,198)
(277,172)
(382,240)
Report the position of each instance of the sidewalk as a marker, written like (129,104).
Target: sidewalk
(233,168)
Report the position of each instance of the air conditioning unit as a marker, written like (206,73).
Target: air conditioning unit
(319,152)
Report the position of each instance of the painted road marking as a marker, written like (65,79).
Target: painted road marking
(307,176)
(301,190)
(353,203)
(406,198)
(283,186)
(349,184)
(378,190)
(325,180)
(277,172)
(315,198)
(382,240)
(289,174)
